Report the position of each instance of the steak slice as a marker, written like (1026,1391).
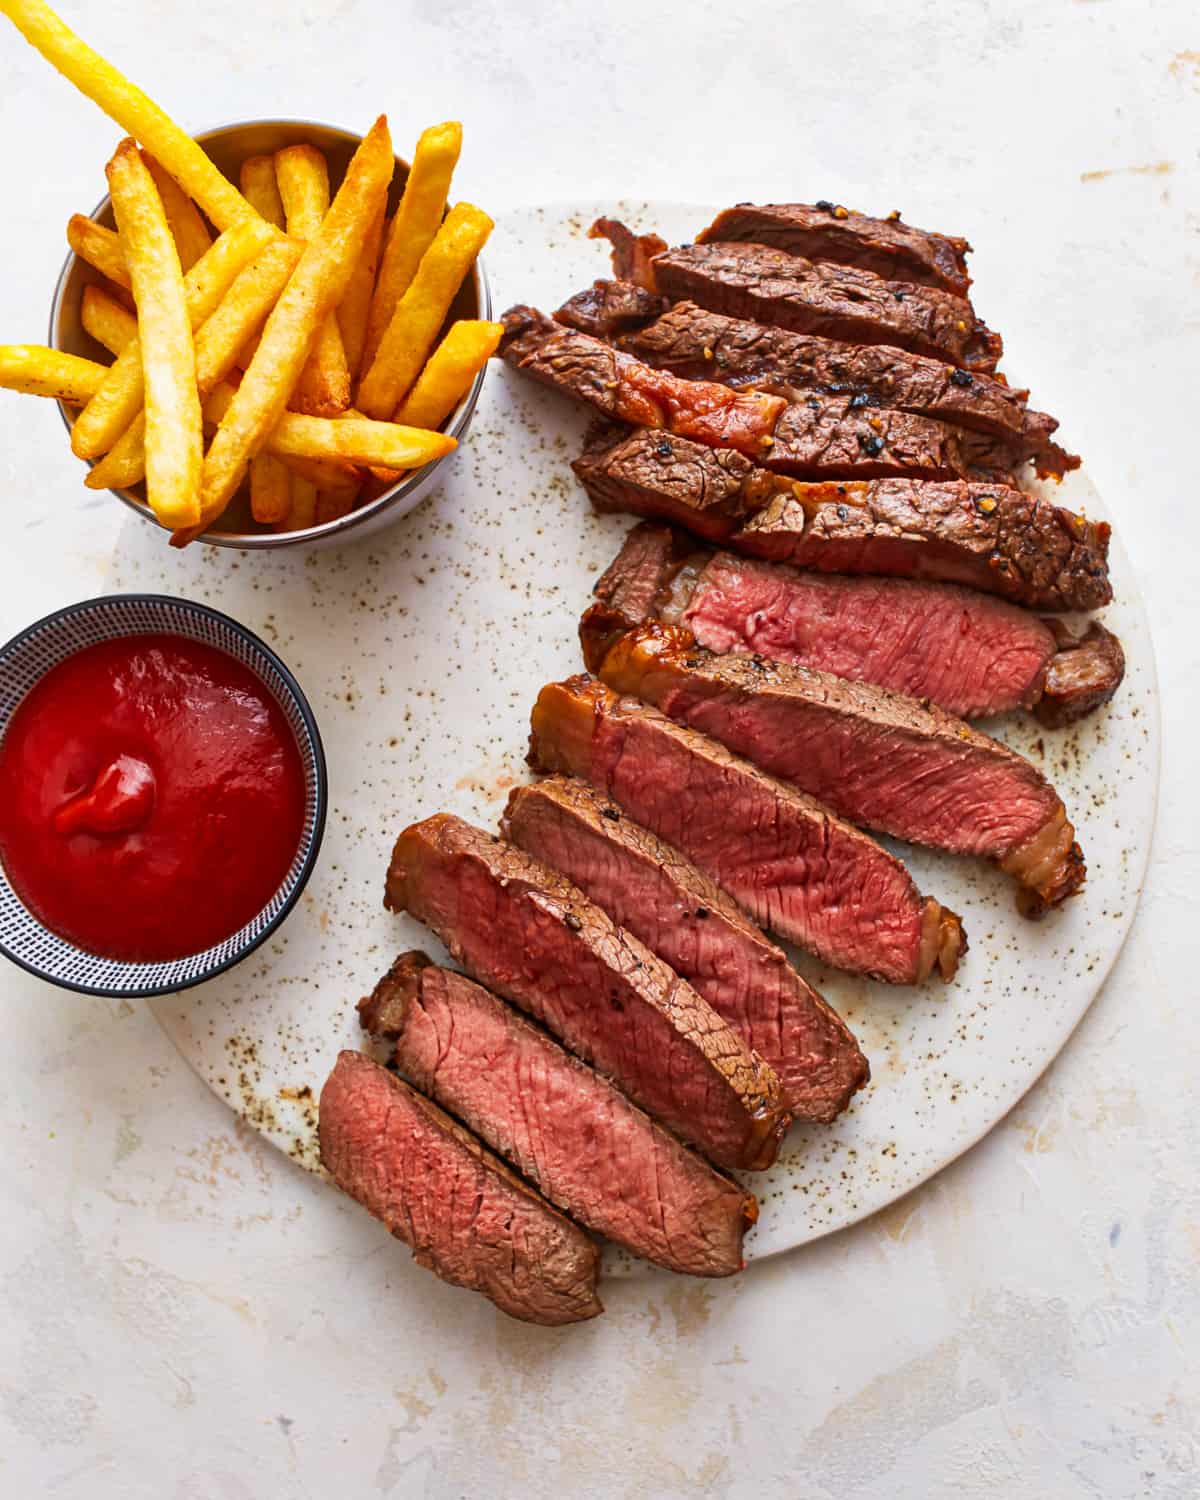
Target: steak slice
(632,254)
(696,344)
(464,1215)
(816,437)
(684,917)
(567,1130)
(971,654)
(838,302)
(533,937)
(991,537)
(879,759)
(622,387)
(788,861)
(823,231)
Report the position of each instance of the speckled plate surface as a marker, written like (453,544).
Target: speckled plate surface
(421,651)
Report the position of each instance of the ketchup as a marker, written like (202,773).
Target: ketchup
(151,798)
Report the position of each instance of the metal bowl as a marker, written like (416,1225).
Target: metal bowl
(229,146)
(26,659)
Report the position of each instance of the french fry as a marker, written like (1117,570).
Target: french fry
(260,189)
(106,320)
(174,435)
(270,489)
(37,371)
(100,247)
(219,340)
(422,310)
(188,228)
(332,505)
(412,230)
(355,306)
(452,367)
(315,289)
(349,440)
(116,403)
(302,175)
(302,512)
(326,473)
(133,110)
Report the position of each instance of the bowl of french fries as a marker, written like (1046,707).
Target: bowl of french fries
(273,333)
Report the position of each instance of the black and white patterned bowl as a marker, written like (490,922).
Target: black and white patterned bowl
(26,659)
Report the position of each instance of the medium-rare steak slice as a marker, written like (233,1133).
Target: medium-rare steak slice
(462,1212)
(684,917)
(879,759)
(825,231)
(838,302)
(789,862)
(696,344)
(567,1130)
(992,537)
(622,387)
(816,437)
(521,929)
(968,652)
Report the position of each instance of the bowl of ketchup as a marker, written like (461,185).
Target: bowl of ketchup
(162,794)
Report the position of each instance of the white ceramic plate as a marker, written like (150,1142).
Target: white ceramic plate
(422,651)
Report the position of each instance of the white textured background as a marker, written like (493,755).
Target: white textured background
(183,1313)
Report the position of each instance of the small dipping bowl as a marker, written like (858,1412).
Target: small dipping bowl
(229,146)
(26,659)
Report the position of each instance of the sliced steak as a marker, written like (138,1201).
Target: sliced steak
(696,344)
(793,865)
(825,231)
(816,437)
(1084,673)
(533,937)
(567,1130)
(879,759)
(621,387)
(969,653)
(837,302)
(991,537)
(609,308)
(632,254)
(462,1212)
(684,917)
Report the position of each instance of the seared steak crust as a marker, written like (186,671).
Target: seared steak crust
(1084,673)
(533,937)
(609,308)
(785,858)
(991,537)
(821,231)
(567,1130)
(837,302)
(684,917)
(696,344)
(464,1215)
(879,759)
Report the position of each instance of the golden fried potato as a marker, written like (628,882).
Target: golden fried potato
(37,371)
(355,306)
(422,310)
(270,489)
(174,434)
(100,247)
(447,377)
(106,320)
(261,190)
(188,228)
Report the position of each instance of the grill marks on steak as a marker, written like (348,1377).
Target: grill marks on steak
(696,344)
(818,436)
(971,654)
(888,247)
(624,388)
(684,917)
(461,1211)
(881,760)
(786,859)
(609,308)
(525,932)
(837,302)
(991,537)
(567,1130)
